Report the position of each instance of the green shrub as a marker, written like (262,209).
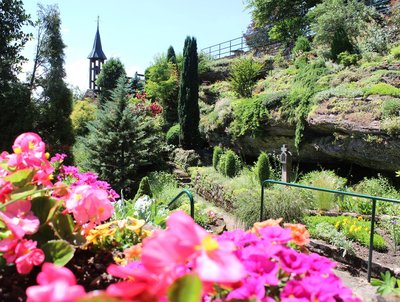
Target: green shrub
(395,52)
(83,112)
(322,179)
(217,153)
(263,167)
(300,62)
(249,116)
(302,45)
(383,89)
(347,59)
(165,188)
(243,76)
(391,108)
(231,164)
(144,189)
(172,135)
(328,232)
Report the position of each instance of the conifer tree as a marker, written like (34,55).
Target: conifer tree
(108,77)
(55,102)
(121,141)
(171,57)
(188,105)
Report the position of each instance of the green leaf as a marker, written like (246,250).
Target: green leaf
(58,252)
(44,234)
(98,298)
(185,289)
(63,225)
(21,177)
(44,208)
(23,193)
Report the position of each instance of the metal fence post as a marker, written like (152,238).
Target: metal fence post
(262,201)
(371,239)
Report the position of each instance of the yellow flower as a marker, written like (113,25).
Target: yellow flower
(337,225)
(360,218)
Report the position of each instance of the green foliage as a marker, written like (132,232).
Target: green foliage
(287,17)
(299,101)
(83,112)
(301,46)
(383,89)
(55,102)
(249,117)
(376,186)
(390,108)
(388,284)
(107,79)
(243,75)
(121,141)
(188,105)
(338,23)
(144,189)
(301,62)
(328,232)
(347,59)
(185,289)
(58,252)
(171,56)
(353,228)
(217,153)
(172,136)
(230,164)
(395,52)
(391,125)
(162,85)
(263,167)
(322,179)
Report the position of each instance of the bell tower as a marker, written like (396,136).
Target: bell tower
(96,59)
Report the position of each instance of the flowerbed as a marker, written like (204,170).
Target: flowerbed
(47,210)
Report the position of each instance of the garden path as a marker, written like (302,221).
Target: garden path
(358,284)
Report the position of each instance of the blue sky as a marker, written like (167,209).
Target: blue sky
(136,31)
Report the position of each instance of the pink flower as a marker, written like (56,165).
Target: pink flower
(89,205)
(319,265)
(5,189)
(21,252)
(185,241)
(29,151)
(56,284)
(276,234)
(19,219)
(292,261)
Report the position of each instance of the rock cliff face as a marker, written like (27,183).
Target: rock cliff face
(339,130)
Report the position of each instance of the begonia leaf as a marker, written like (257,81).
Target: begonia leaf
(64,226)
(58,252)
(23,193)
(21,177)
(185,289)
(44,208)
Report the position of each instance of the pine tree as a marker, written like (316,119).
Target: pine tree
(108,77)
(55,102)
(121,141)
(144,189)
(263,167)
(188,106)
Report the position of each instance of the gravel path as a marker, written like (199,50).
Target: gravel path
(358,284)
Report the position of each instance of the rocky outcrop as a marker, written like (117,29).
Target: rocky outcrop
(339,130)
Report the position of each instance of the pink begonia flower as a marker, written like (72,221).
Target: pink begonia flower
(319,265)
(5,189)
(21,252)
(185,241)
(252,288)
(89,205)
(19,219)
(275,234)
(29,151)
(56,284)
(140,284)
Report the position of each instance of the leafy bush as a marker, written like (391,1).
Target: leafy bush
(263,167)
(395,52)
(144,189)
(217,153)
(164,187)
(391,108)
(83,112)
(249,115)
(301,46)
(383,89)
(243,76)
(322,179)
(172,136)
(232,164)
(329,233)
(347,59)
(301,62)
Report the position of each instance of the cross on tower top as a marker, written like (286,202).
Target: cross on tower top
(284,149)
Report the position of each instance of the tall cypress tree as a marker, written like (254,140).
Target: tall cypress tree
(188,105)
(171,57)
(121,141)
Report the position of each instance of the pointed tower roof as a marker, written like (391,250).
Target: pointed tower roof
(97,51)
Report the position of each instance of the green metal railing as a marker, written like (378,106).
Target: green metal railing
(190,195)
(373,198)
